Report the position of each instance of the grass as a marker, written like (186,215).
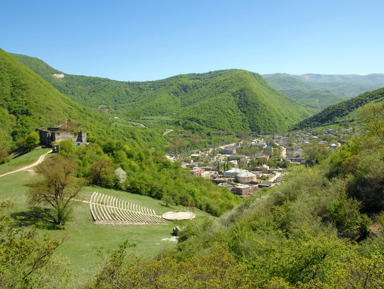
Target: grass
(82,237)
(22,160)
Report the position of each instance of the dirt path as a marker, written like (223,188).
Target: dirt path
(167,131)
(39,161)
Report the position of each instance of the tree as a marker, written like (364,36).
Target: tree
(372,116)
(30,141)
(216,270)
(23,253)
(315,153)
(3,152)
(102,172)
(121,176)
(67,148)
(57,188)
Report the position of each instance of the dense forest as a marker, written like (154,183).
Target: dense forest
(28,102)
(342,112)
(229,100)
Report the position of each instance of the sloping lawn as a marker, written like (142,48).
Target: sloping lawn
(81,236)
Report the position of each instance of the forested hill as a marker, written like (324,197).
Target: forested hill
(27,102)
(341,112)
(319,91)
(230,100)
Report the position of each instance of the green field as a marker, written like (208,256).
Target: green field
(82,237)
(23,160)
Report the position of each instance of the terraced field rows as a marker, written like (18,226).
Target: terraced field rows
(108,210)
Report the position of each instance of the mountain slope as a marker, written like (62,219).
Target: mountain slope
(27,102)
(320,91)
(222,100)
(243,101)
(342,112)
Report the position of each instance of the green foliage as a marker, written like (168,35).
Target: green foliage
(216,270)
(67,148)
(357,272)
(28,102)
(292,237)
(350,223)
(150,174)
(342,112)
(361,160)
(321,91)
(24,255)
(57,188)
(298,260)
(31,141)
(230,100)
(372,116)
(315,153)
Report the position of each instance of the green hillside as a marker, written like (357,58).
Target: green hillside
(28,102)
(230,100)
(320,91)
(342,112)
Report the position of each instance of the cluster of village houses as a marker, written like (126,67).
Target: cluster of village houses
(244,182)
(239,181)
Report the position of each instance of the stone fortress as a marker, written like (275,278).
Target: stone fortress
(65,131)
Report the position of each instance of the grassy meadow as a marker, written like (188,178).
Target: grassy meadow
(21,161)
(81,236)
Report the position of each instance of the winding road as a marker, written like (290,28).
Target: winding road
(39,161)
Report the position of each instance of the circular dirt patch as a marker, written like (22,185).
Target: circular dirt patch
(178,215)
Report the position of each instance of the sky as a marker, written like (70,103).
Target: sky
(147,40)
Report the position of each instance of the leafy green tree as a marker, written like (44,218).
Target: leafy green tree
(372,116)
(67,148)
(356,272)
(350,223)
(57,188)
(31,141)
(121,177)
(3,152)
(216,270)
(102,172)
(23,255)
(315,153)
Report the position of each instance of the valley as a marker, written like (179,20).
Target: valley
(284,195)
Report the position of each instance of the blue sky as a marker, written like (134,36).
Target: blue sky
(150,40)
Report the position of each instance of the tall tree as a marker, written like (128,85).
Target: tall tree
(57,188)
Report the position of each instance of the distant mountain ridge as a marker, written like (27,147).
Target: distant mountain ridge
(233,100)
(320,91)
(373,78)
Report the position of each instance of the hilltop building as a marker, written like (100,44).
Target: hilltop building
(58,134)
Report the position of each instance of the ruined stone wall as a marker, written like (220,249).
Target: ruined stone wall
(63,135)
(49,135)
(82,137)
(45,137)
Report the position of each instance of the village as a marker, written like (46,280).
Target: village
(246,167)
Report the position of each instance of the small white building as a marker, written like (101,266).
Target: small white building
(233,172)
